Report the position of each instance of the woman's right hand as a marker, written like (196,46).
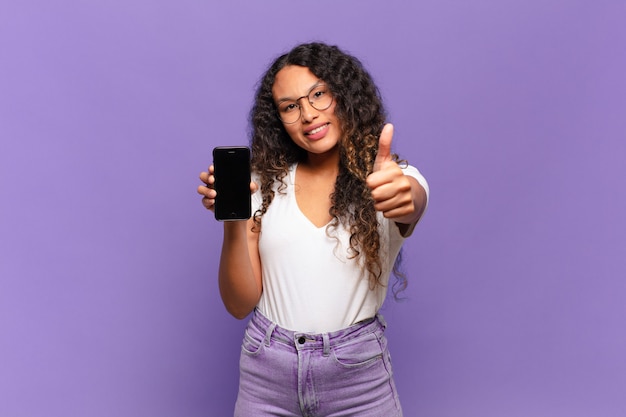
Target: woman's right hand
(239,273)
(207,190)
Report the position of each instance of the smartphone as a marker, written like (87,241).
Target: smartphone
(232,182)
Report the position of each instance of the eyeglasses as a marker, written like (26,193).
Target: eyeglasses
(320,98)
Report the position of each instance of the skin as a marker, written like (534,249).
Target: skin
(397,196)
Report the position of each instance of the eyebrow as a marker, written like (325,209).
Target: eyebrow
(317,84)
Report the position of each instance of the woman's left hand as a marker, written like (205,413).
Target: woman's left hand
(397,196)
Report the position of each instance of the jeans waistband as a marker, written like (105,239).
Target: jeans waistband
(322,341)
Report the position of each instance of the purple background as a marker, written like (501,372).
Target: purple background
(514,110)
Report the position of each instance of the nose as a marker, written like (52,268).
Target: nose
(307,111)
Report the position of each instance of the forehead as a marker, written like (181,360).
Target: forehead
(292,82)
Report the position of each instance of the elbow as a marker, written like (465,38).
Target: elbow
(239,312)
(239,299)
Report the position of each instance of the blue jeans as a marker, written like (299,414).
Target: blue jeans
(343,373)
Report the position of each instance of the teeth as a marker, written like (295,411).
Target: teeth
(319,129)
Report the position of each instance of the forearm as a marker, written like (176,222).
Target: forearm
(239,282)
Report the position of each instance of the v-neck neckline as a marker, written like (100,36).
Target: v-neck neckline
(295,200)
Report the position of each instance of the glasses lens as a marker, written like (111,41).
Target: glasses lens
(289,111)
(320,98)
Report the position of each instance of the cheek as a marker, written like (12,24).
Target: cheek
(292,132)
(290,129)
(338,125)
(332,115)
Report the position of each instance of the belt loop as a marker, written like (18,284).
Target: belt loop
(326,344)
(268,334)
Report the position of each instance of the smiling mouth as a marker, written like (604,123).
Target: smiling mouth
(317,129)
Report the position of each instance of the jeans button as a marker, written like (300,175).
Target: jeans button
(301,340)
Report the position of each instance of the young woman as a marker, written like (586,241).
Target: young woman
(332,206)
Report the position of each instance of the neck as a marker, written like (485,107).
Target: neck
(323,163)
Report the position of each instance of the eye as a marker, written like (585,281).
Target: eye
(317,94)
(288,107)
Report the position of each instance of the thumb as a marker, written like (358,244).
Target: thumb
(384,147)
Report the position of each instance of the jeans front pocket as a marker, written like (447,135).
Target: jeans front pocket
(359,352)
(252,342)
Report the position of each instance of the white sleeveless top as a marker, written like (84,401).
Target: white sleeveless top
(310,282)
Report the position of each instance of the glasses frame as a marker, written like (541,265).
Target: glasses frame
(318,85)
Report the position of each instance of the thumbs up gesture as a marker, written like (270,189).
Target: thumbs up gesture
(391,189)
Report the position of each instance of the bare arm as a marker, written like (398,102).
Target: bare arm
(239,273)
(240,269)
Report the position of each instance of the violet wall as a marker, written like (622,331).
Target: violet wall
(514,110)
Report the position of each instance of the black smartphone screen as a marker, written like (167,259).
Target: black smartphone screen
(232,182)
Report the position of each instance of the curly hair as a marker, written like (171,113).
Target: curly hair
(361,114)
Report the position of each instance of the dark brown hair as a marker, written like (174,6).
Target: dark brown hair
(361,113)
